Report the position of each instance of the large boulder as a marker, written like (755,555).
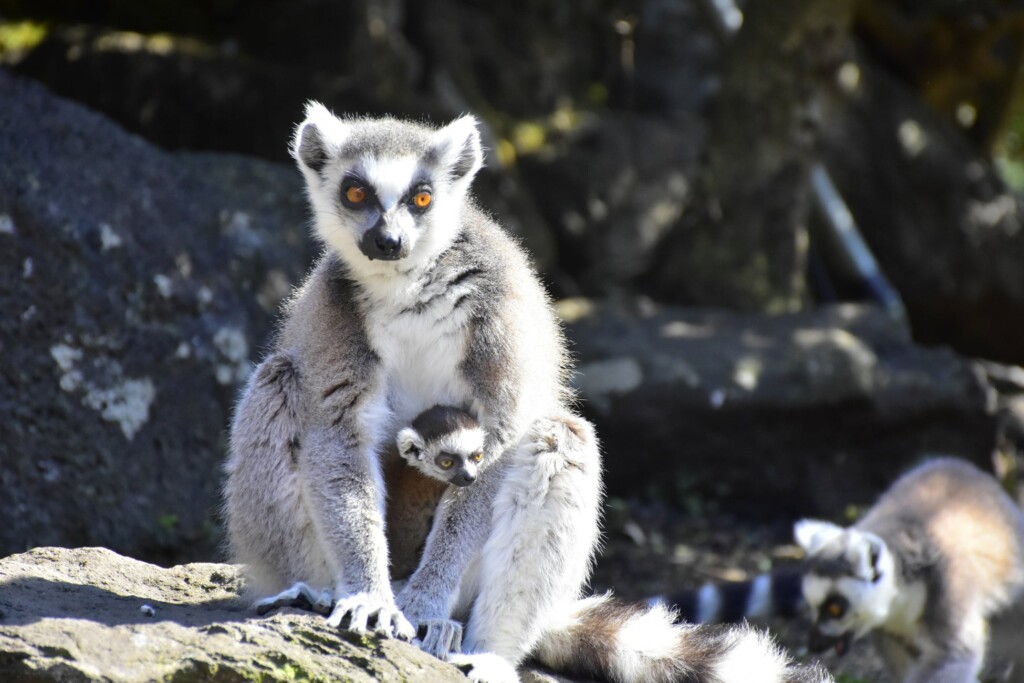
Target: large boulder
(90,614)
(611,190)
(136,288)
(790,414)
(945,228)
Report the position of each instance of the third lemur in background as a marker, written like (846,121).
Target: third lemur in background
(934,571)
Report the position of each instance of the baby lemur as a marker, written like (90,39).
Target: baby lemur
(445,443)
(421,299)
(934,571)
(443,446)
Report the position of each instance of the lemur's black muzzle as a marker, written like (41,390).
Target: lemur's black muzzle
(379,243)
(463,479)
(818,642)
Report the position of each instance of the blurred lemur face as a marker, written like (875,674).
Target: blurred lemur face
(848,584)
(445,443)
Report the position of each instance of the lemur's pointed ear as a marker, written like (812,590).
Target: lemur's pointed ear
(317,138)
(812,534)
(410,444)
(868,551)
(457,148)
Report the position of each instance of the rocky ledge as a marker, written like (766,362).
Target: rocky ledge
(89,614)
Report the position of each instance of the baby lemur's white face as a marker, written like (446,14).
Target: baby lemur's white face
(386,191)
(445,443)
(849,583)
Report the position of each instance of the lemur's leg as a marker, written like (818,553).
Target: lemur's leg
(268,523)
(538,555)
(960,668)
(345,485)
(894,653)
(306,504)
(960,660)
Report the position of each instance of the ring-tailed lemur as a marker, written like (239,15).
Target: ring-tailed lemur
(421,299)
(934,570)
(445,443)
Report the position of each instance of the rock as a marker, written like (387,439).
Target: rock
(945,228)
(789,414)
(182,93)
(90,614)
(611,191)
(677,58)
(521,60)
(179,92)
(136,289)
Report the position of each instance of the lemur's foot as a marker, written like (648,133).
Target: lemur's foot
(359,608)
(299,596)
(440,637)
(567,435)
(485,668)
(544,437)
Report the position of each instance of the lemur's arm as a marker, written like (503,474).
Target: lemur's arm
(338,461)
(341,470)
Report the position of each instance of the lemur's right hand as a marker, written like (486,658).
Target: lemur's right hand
(360,607)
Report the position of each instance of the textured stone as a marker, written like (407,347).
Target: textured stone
(799,413)
(90,614)
(136,287)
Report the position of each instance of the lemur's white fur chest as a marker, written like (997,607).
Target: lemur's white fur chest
(420,349)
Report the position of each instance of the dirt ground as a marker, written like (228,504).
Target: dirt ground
(653,549)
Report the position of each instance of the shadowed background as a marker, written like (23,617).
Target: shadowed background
(657,157)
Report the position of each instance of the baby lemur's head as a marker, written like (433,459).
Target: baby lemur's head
(386,190)
(445,443)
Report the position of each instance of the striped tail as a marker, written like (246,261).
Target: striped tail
(604,638)
(767,595)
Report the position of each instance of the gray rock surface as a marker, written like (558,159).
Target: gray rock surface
(136,288)
(90,614)
(795,414)
(612,190)
(945,228)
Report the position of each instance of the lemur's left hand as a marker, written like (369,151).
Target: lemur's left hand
(436,634)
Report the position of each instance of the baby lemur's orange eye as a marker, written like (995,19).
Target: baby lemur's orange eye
(355,194)
(422,199)
(445,463)
(834,610)
(477,457)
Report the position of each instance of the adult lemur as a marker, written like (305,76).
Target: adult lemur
(934,570)
(421,299)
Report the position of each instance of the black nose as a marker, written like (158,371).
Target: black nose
(463,479)
(388,245)
(378,243)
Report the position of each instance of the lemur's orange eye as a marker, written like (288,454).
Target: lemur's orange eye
(445,463)
(834,610)
(477,457)
(355,194)
(422,199)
